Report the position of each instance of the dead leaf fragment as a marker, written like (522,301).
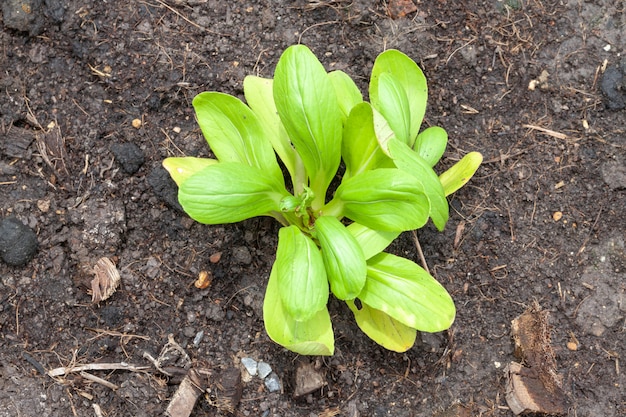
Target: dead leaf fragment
(106,281)
(400,8)
(204,280)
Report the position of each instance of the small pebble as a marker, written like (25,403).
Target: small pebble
(557,215)
(264,369)
(272,383)
(198,338)
(250,365)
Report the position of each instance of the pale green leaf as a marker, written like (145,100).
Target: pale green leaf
(393,104)
(343,257)
(408,160)
(382,131)
(412,79)
(371,241)
(387,199)
(348,94)
(234,133)
(181,168)
(259,95)
(383,329)
(460,173)
(308,107)
(431,144)
(311,337)
(407,293)
(360,148)
(228,192)
(301,275)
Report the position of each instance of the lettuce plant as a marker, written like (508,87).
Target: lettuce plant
(331,241)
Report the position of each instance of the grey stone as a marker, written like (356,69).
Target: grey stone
(264,369)
(250,365)
(272,383)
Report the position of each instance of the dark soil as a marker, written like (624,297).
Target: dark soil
(544,219)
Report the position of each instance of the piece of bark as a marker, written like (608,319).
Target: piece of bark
(229,391)
(187,394)
(16,142)
(307,380)
(534,386)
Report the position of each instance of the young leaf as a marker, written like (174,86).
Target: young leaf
(311,337)
(343,258)
(386,199)
(308,107)
(407,293)
(431,144)
(383,131)
(360,149)
(228,192)
(234,133)
(408,160)
(302,281)
(371,241)
(181,168)
(259,95)
(348,94)
(412,79)
(383,329)
(393,104)
(460,173)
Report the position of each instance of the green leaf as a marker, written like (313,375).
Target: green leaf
(431,144)
(408,160)
(371,241)
(383,131)
(181,168)
(234,133)
(393,104)
(302,281)
(311,337)
(348,94)
(259,95)
(228,192)
(407,293)
(343,258)
(360,148)
(460,173)
(386,199)
(308,107)
(410,76)
(383,329)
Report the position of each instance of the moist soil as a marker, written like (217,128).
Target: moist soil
(94,95)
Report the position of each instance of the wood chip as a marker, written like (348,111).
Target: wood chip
(308,380)
(229,391)
(106,281)
(185,398)
(536,387)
